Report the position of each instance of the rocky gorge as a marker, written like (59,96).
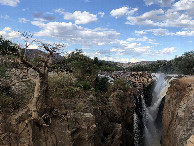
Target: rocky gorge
(178,114)
(102,121)
(85,122)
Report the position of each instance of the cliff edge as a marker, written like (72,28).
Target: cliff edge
(178,113)
(89,121)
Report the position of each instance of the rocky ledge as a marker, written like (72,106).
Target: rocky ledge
(74,122)
(178,114)
(90,121)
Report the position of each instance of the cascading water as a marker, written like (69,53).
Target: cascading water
(150,135)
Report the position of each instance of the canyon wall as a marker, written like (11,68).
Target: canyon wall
(89,121)
(178,113)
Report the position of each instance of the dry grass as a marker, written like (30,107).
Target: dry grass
(187,80)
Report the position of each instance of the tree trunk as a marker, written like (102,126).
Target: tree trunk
(39,101)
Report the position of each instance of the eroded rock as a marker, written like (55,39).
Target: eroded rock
(178,113)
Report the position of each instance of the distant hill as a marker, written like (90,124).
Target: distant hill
(33,53)
(130,64)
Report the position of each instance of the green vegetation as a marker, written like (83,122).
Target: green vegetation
(7,47)
(83,80)
(63,86)
(185,63)
(182,65)
(101,85)
(10,98)
(82,67)
(3,72)
(120,84)
(106,65)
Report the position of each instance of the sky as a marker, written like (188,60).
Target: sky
(112,30)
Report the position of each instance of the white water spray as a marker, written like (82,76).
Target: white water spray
(159,92)
(161,87)
(151,137)
(151,134)
(136,130)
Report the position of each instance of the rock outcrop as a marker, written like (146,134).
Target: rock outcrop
(90,121)
(178,113)
(74,122)
(140,80)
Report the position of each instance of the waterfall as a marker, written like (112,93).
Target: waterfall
(151,133)
(160,90)
(151,136)
(136,130)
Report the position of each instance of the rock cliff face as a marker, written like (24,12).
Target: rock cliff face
(178,114)
(74,122)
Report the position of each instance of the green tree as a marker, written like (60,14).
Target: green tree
(83,67)
(38,103)
(7,47)
(101,84)
(185,63)
(96,61)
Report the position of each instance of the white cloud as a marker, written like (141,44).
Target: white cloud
(123,60)
(146,19)
(164,32)
(23,20)
(160,32)
(11,3)
(132,11)
(113,50)
(92,54)
(25,9)
(8,33)
(133,49)
(4,16)
(185,33)
(101,14)
(60,11)
(80,17)
(32,46)
(7,29)
(133,60)
(131,39)
(119,12)
(143,39)
(180,14)
(138,49)
(122,11)
(162,3)
(140,32)
(165,51)
(104,58)
(183,5)
(161,18)
(116,59)
(76,34)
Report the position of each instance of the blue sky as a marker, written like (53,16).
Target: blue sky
(114,30)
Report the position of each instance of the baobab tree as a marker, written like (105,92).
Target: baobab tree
(36,72)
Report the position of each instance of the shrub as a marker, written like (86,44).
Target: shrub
(101,84)
(65,86)
(10,98)
(120,84)
(3,72)
(83,84)
(83,67)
